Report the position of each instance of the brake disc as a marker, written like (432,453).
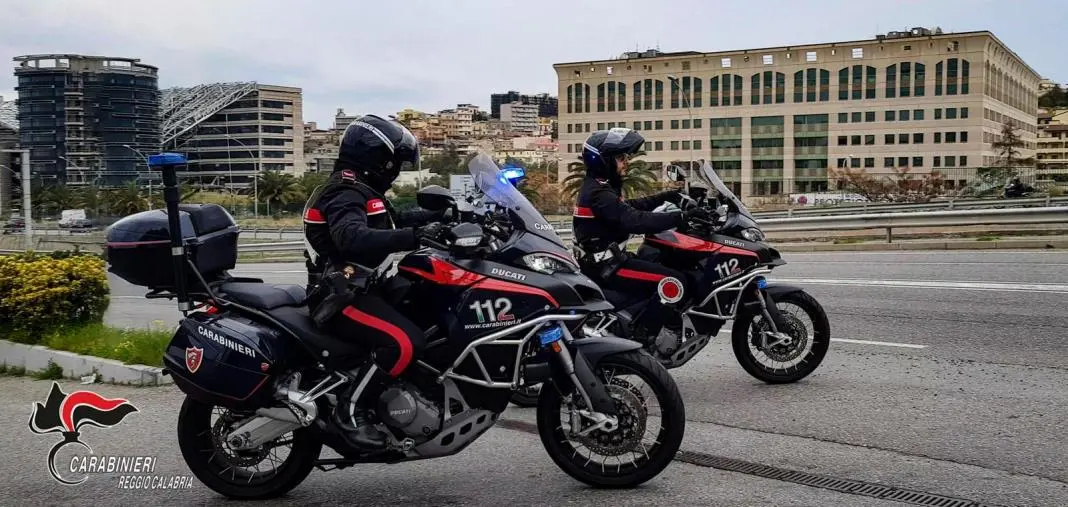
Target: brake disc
(632,415)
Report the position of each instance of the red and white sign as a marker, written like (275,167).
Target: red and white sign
(193,357)
(376,206)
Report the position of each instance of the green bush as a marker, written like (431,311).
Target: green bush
(44,292)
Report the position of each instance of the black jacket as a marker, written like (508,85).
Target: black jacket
(346,221)
(602,217)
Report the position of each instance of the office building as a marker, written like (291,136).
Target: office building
(87,119)
(342,120)
(547,104)
(520,118)
(1052,152)
(774,121)
(231,131)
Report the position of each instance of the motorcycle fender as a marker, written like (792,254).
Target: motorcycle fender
(586,353)
(777,289)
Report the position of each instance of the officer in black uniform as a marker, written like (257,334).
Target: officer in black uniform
(603,220)
(349,221)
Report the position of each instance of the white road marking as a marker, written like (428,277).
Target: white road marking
(935,284)
(881,344)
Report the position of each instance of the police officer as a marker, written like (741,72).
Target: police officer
(349,221)
(603,219)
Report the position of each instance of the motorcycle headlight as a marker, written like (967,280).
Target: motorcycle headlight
(548,264)
(753,234)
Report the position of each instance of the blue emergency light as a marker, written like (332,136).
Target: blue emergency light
(513,174)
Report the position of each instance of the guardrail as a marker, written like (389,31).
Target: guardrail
(887,221)
(949,204)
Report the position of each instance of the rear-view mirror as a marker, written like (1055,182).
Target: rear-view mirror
(434,198)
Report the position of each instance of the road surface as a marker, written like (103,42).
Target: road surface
(949,381)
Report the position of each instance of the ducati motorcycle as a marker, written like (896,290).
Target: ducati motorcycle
(780,333)
(502,303)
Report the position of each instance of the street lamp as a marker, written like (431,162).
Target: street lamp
(255,176)
(27,212)
(675,81)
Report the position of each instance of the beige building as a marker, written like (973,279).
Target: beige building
(774,121)
(1052,153)
(521,118)
(246,128)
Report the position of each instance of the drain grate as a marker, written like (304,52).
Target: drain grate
(847,486)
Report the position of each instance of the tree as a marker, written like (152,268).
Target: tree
(448,162)
(544,195)
(903,186)
(1054,98)
(126,200)
(309,181)
(278,188)
(639,180)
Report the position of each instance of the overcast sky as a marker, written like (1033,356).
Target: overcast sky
(380,57)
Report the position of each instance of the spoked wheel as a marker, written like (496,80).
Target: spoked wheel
(527,397)
(783,361)
(266,472)
(651,420)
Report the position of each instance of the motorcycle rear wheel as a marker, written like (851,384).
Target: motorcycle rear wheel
(650,461)
(206,458)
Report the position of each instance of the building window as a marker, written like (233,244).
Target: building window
(917,114)
(902,139)
(963,160)
(659,94)
(843,117)
(780,87)
(904,81)
(891,81)
(869,116)
(951,113)
(963,80)
(858,82)
(936,161)
(917,138)
(951,137)
(674,145)
(697,123)
(951,161)
(869,162)
(854,162)
(869,139)
(951,82)
(696,92)
(856,117)
(600,126)
(569,128)
(659,146)
(638,96)
(697,144)
(890,115)
(754,89)
(685,145)
(725,63)
(569,147)
(674,124)
(964,136)
(713,91)
(648,146)
(854,140)
(938,114)
(938,78)
(938,138)
(843,84)
(810,56)
(902,161)
(637,125)
(612,125)
(587,127)
(648,125)
(919,75)
(600,98)
(842,162)
(869,82)
(917,161)
(963,113)
(858,52)
(888,139)
(659,124)
(685,124)
(903,115)
(825,85)
(842,140)
(768,59)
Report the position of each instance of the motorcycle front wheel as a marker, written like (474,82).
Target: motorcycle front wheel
(651,423)
(786,363)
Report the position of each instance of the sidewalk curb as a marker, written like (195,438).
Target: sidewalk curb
(36,357)
(1004,244)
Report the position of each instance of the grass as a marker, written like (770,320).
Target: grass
(131,346)
(988,238)
(848,241)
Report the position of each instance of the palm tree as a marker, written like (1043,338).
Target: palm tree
(279,188)
(126,200)
(639,179)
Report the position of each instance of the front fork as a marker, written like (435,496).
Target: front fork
(759,297)
(569,366)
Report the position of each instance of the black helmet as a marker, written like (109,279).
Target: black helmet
(602,147)
(377,150)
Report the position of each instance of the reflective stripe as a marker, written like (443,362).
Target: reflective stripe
(314,216)
(639,275)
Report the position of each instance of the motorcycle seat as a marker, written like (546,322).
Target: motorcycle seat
(263,296)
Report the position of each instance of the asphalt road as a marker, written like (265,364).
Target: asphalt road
(951,382)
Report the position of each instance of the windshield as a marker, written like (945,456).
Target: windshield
(711,178)
(489,180)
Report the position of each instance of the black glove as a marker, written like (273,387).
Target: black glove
(448,215)
(432,231)
(697,213)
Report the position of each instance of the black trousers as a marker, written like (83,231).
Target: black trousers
(397,341)
(638,281)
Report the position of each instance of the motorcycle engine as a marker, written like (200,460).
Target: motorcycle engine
(403,406)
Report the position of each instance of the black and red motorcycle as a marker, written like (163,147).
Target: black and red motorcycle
(780,333)
(502,304)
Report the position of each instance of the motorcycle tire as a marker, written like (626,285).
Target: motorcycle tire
(821,340)
(655,459)
(195,437)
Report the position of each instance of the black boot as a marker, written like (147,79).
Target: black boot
(359,430)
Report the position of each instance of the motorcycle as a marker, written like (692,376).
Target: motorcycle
(501,301)
(727,260)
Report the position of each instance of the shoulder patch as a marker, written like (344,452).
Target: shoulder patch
(376,206)
(348,175)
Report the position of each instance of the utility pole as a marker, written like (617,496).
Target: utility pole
(27,215)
